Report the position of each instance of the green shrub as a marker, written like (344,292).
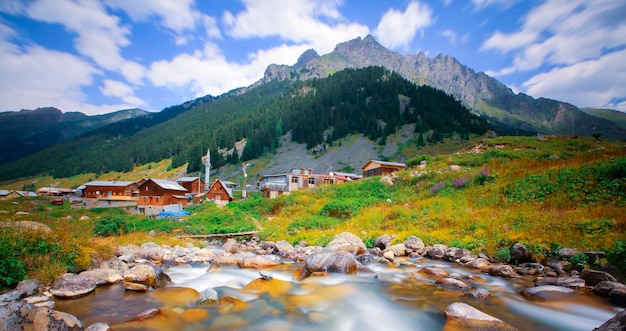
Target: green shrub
(579,260)
(12,271)
(616,254)
(314,222)
(110,226)
(503,255)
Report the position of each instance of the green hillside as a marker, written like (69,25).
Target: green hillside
(371,101)
(617,117)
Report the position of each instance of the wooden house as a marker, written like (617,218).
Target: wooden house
(157,195)
(103,193)
(220,192)
(193,185)
(381,168)
(272,186)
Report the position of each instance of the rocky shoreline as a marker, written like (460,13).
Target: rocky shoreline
(141,268)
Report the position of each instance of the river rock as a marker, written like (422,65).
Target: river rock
(480,263)
(383,241)
(547,292)
(152,251)
(453,254)
(365,259)
(618,296)
(605,288)
(593,277)
(398,249)
(616,323)
(283,248)
(433,272)
(98,327)
(479,294)
(415,245)
(13,295)
(231,246)
(71,286)
(26,316)
(103,276)
(325,261)
(132,286)
(465,317)
(502,270)
(142,274)
(346,242)
(437,251)
(29,286)
(519,253)
(35,299)
(258,261)
(208,296)
(561,281)
(389,256)
(452,283)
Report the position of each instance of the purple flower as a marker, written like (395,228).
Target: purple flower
(485,172)
(437,187)
(459,182)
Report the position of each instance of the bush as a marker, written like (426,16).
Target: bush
(616,254)
(110,226)
(12,271)
(503,255)
(314,222)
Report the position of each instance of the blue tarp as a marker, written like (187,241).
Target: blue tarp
(173,213)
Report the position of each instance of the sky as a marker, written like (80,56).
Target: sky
(99,56)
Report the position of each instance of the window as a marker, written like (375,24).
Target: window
(311,180)
(294,180)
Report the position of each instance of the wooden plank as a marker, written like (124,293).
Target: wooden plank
(219,235)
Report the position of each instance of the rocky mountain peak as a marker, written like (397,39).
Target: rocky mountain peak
(307,56)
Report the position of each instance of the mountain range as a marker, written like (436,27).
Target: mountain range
(509,112)
(76,143)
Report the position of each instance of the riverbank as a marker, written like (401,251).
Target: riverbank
(224,285)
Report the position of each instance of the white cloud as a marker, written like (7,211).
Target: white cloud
(451,35)
(100,35)
(397,29)
(209,72)
(589,83)
(41,77)
(563,32)
(133,72)
(179,16)
(120,90)
(317,23)
(481,4)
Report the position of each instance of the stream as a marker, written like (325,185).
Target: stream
(393,297)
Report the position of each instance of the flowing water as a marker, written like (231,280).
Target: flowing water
(392,297)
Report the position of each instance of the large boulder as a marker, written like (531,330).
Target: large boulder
(29,286)
(461,316)
(437,251)
(283,248)
(415,244)
(520,253)
(480,263)
(383,241)
(547,292)
(397,249)
(593,277)
(26,316)
(454,254)
(502,270)
(617,322)
(103,275)
(346,242)
(72,286)
(231,246)
(327,261)
(258,261)
(605,288)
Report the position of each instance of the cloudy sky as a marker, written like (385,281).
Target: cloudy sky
(98,56)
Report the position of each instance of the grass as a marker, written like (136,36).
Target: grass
(544,194)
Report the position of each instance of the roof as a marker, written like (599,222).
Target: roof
(392,164)
(109,183)
(347,174)
(228,189)
(187,179)
(4,192)
(229,183)
(168,184)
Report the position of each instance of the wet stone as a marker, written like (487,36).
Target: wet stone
(547,293)
(465,317)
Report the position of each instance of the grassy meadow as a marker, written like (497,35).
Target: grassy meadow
(561,192)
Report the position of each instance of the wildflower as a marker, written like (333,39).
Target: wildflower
(459,182)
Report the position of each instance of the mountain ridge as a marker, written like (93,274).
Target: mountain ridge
(481,93)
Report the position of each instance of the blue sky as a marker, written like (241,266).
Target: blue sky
(97,56)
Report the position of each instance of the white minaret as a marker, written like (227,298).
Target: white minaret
(207,175)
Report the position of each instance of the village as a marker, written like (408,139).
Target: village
(169,197)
